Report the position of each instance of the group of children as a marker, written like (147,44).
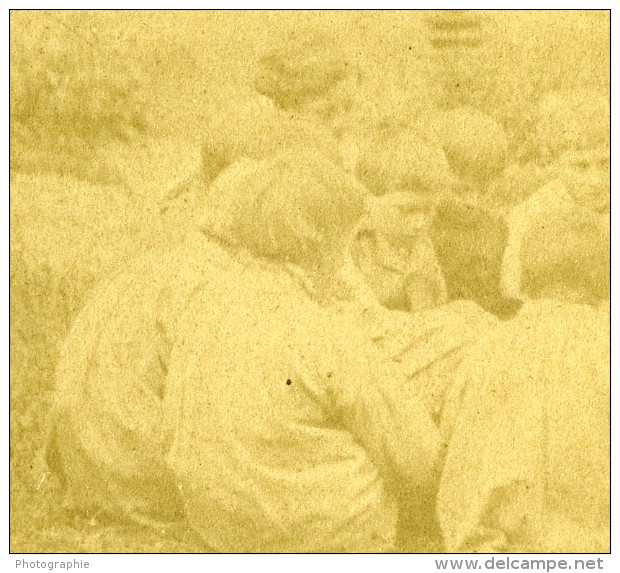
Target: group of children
(367,330)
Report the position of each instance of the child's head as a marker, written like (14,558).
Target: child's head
(586,175)
(295,206)
(572,136)
(407,176)
(308,74)
(570,120)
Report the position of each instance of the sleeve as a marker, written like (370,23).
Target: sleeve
(503,522)
(126,374)
(510,281)
(387,418)
(490,493)
(509,524)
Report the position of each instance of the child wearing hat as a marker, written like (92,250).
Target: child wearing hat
(391,249)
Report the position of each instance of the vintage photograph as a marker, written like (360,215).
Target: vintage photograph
(310,281)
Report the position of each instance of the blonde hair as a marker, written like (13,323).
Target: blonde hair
(403,161)
(292,206)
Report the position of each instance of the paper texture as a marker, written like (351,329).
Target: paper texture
(310,281)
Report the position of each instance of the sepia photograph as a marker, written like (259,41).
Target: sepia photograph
(310,281)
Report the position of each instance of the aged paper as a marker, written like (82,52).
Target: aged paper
(310,281)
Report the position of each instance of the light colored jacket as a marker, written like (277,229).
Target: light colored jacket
(107,430)
(528,466)
(289,433)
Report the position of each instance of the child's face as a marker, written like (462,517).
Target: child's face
(586,175)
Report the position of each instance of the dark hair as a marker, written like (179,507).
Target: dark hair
(474,143)
(567,247)
(306,67)
(469,243)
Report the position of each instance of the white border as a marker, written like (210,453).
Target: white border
(287,563)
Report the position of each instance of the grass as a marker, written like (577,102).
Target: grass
(77,211)
(65,236)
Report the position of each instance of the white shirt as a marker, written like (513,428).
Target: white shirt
(288,432)
(549,198)
(527,468)
(107,412)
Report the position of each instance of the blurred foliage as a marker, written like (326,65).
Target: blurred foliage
(68,97)
(62,96)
